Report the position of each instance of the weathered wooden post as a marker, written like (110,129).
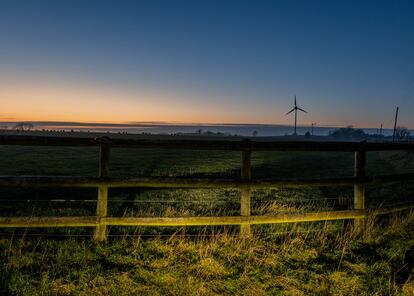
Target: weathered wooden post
(359,188)
(245,204)
(102,205)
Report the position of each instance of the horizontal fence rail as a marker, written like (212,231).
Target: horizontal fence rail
(245,184)
(206,144)
(170,182)
(93,221)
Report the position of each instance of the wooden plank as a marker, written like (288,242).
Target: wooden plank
(10,222)
(389,210)
(101,212)
(207,144)
(104,160)
(245,201)
(50,181)
(6,222)
(172,182)
(233,220)
(46,141)
(246,167)
(102,204)
(245,193)
(359,189)
(360,161)
(390,178)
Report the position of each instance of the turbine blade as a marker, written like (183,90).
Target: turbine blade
(290,111)
(302,110)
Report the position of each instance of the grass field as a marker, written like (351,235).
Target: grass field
(298,259)
(320,262)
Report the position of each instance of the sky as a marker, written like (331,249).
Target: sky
(348,62)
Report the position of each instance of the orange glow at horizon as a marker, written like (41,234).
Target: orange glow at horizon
(76,102)
(102,104)
(37,102)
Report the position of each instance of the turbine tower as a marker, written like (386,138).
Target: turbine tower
(296,108)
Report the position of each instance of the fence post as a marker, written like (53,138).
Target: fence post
(245,206)
(102,205)
(359,188)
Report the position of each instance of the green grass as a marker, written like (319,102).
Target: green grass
(21,160)
(320,262)
(60,161)
(295,259)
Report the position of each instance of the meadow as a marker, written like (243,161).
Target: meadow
(320,258)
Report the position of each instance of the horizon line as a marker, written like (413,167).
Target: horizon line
(172,123)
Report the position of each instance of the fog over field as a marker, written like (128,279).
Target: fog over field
(264,130)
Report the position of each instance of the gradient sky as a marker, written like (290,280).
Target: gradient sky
(348,62)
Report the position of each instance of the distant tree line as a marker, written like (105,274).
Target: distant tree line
(24,126)
(200,131)
(349,133)
(402,133)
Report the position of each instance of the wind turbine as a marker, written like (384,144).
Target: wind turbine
(296,108)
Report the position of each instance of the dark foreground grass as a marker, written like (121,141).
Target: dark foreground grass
(318,261)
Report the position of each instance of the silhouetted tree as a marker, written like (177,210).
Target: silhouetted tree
(255,133)
(348,133)
(401,133)
(21,126)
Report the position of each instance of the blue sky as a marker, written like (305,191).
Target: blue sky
(348,62)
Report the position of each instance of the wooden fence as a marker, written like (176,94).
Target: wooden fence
(245,184)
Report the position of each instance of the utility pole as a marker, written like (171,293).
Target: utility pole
(313,124)
(395,124)
(380,133)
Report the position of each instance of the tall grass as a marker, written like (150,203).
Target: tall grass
(302,260)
